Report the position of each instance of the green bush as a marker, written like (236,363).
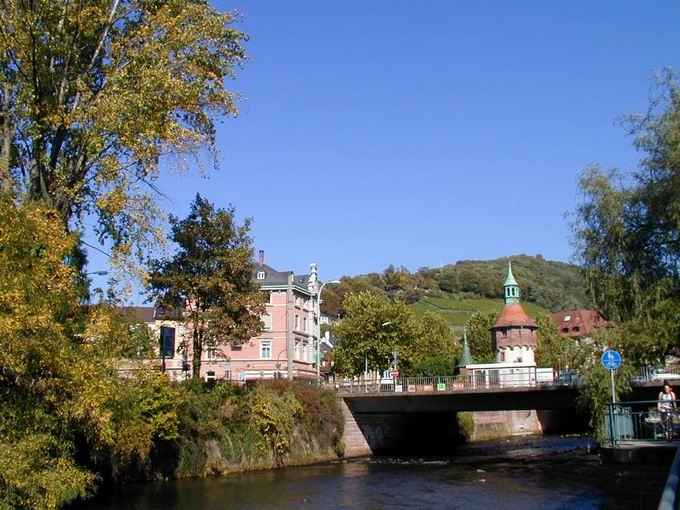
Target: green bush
(466,425)
(227,427)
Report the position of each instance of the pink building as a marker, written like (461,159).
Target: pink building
(285,348)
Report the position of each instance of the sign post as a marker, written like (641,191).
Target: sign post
(611,360)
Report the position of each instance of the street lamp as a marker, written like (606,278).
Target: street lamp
(395,353)
(318,328)
(98,273)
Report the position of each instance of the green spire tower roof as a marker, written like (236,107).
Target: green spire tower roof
(511,288)
(465,357)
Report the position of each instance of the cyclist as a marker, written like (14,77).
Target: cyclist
(666,406)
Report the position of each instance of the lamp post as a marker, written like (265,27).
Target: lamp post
(98,273)
(318,328)
(277,364)
(395,353)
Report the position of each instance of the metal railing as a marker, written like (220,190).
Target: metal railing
(643,420)
(657,374)
(478,382)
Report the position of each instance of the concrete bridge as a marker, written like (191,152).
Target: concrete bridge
(419,416)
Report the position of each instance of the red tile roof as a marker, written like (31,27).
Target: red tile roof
(577,323)
(514,315)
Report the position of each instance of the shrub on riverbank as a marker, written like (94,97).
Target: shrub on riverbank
(466,425)
(225,428)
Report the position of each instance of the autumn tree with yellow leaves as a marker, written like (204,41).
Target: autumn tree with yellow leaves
(94,94)
(59,389)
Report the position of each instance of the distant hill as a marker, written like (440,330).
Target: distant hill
(458,290)
(457,310)
(548,283)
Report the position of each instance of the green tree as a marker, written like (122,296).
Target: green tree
(210,278)
(554,349)
(434,366)
(93,94)
(479,336)
(371,330)
(595,390)
(437,338)
(437,348)
(626,225)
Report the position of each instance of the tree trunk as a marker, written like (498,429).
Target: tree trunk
(197,352)
(7,135)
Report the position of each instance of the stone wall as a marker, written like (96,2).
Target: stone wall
(353,437)
(495,424)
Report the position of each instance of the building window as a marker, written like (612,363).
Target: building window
(211,353)
(297,323)
(210,376)
(167,342)
(304,324)
(270,300)
(298,302)
(260,275)
(267,322)
(265,349)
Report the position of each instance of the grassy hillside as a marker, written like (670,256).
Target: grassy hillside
(457,311)
(458,290)
(548,283)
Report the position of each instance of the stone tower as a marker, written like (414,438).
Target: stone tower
(513,336)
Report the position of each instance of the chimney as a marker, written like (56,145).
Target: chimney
(261,257)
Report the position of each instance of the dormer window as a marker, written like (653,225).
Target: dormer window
(260,275)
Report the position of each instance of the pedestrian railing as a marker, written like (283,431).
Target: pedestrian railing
(480,382)
(657,374)
(643,420)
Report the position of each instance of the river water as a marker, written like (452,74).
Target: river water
(519,473)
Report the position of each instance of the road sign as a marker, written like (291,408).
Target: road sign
(611,360)
(395,373)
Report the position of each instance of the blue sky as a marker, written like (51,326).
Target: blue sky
(422,133)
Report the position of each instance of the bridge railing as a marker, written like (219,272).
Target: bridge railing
(481,382)
(643,420)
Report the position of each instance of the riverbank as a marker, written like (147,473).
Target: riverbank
(514,473)
(225,429)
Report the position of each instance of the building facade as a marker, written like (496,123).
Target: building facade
(285,348)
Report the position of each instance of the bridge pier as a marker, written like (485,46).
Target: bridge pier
(355,442)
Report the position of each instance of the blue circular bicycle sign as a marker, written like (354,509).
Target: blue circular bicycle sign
(611,360)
